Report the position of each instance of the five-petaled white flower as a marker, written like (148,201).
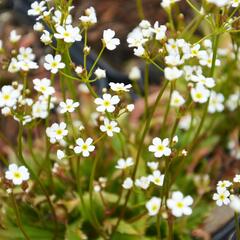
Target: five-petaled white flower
(179,204)
(160,147)
(68,33)
(177,99)
(68,106)
(216,102)
(8,96)
(221,197)
(153,206)
(157,178)
(89,18)
(200,94)
(142,182)
(84,147)
(43,86)
(108,38)
(107,102)
(172,73)
(57,131)
(124,163)
(127,183)
(120,87)
(17,174)
(37,8)
(53,64)
(223,184)
(109,127)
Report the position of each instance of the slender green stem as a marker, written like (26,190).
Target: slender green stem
(19,221)
(167,108)
(95,63)
(146,87)
(236,218)
(140,9)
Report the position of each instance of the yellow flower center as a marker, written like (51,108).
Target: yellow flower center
(199,95)
(59,132)
(17,174)
(6,97)
(180,205)
(54,64)
(106,103)
(160,148)
(84,147)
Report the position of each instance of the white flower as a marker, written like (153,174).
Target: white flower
(167,3)
(128,183)
(205,59)
(206,81)
(40,110)
(84,147)
(176,99)
(180,204)
(157,178)
(136,38)
(43,86)
(46,38)
(25,54)
(222,197)
(160,31)
(53,64)
(8,96)
(57,131)
(175,139)
(172,73)
(235,3)
(142,182)
(153,206)
(68,33)
(233,101)
(153,165)
(6,111)
(37,8)
(107,102)
(200,94)
(109,40)
(236,179)
(235,203)
(216,102)
(100,73)
(89,18)
(139,51)
(60,154)
(68,106)
(160,147)
(120,87)
(134,74)
(57,18)
(17,174)
(38,27)
(124,163)
(13,66)
(14,37)
(223,184)
(109,127)
(130,107)
(27,65)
